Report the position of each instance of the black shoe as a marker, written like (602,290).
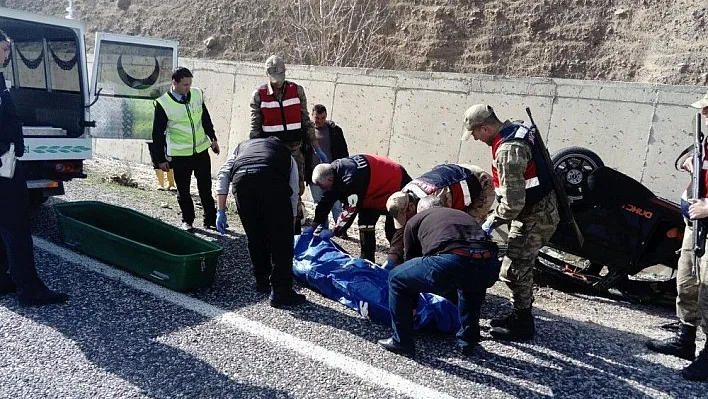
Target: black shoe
(503,322)
(698,370)
(392,346)
(43,297)
(263,287)
(468,350)
(291,298)
(7,286)
(519,327)
(682,345)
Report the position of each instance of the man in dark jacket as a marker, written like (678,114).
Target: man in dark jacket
(362,183)
(17,268)
(444,249)
(332,142)
(264,180)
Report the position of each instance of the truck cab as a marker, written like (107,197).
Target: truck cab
(47,74)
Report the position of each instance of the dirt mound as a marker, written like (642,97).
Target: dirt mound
(656,41)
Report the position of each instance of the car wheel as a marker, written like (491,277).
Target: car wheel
(573,165)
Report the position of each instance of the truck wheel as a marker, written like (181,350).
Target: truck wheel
(573,165)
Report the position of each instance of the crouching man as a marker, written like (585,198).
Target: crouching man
(264,179)
(444,249)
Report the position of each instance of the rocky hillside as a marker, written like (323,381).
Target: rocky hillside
(656,41)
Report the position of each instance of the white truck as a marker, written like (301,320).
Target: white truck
(47,73)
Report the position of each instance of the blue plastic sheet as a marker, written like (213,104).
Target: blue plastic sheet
(363,286)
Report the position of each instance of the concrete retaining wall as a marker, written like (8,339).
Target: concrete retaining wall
(416,118)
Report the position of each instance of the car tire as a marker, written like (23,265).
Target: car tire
(573,166)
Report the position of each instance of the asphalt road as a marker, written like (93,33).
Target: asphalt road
(123,337)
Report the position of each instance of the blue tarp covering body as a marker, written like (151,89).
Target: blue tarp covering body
(362,285)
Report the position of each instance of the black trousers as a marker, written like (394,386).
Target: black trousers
(200,165)
(263,203)
(16,252)
(367,233)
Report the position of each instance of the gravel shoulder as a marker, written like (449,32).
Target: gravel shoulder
(113,341)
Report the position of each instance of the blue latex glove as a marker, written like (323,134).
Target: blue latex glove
(389,264)
(307,230)
(325,234)
(487,228)
(322,155)
(221,221)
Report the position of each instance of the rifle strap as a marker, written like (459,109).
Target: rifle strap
(681,155)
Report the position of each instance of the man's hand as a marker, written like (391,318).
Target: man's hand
(221,220)
(487,228)
(215,147)
(688,165)
(164,166)
(322,155)
(698,209)
(389,264)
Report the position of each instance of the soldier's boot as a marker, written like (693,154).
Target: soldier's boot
(160,179)
(171,180)
(698,370)
(519,326)
(367,241)
(502,322)
(682,345)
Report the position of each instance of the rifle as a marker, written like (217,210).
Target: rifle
(699,225)
(566,213)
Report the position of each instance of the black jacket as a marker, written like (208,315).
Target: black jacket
(339,149)
(10,122)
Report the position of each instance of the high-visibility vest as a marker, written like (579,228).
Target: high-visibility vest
(185,133)
(537,177)
(282,118)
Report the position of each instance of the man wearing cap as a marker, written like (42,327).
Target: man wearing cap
(362,183)
(526,203)
(445,249)
(263,177)
(183,132)
(279,108)
(692,298)
(464,187)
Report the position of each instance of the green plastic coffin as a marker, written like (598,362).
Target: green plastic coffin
(140,244)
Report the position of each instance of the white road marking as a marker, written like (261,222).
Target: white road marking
(332,359)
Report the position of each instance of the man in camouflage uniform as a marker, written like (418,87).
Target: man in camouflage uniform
(526,203)
(692,298)
(279,108)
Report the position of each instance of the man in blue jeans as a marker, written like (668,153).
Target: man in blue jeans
(444,249)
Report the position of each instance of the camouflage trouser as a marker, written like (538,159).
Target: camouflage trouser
(692,298)
(530,231)
(300,161)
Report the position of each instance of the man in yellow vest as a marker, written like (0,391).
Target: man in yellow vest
(183,127)
(279,108)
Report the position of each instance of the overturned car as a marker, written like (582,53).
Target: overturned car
(626,228)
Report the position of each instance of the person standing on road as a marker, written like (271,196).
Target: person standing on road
(362,183)
(526,203)
(183,127)
(445,249)
(279,108)
(464,187)
(692,298)
(332,142)
(18,272)
(263,177)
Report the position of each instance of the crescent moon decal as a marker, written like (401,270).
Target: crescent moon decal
(135,83)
